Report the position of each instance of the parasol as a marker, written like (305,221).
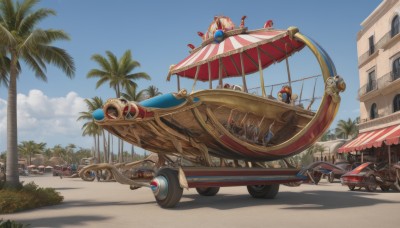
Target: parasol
(41,166)
(31,166)
(241,52)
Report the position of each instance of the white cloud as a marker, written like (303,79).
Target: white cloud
(45,119)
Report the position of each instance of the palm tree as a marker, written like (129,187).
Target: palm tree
(346,129)
(131,94)
(29,148)
(152,91)
(118,74)
(90,127)
(70,152)
(22,40)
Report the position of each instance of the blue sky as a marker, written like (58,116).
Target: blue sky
(157,33)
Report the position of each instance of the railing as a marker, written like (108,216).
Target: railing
(382,82)
(385,39)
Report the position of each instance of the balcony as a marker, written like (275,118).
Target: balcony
(389,81)
(385,42)
(380,122)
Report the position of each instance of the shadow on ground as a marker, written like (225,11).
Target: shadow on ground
(78,221)
(306,200)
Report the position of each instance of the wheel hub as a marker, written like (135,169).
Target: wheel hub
(159,186)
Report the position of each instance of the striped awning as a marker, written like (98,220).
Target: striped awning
(375,138)
(271,45)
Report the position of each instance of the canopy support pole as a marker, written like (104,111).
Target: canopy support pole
(261,73)
(287,67)
(220,73)
(390,156)
(195,78)
(243,73)
(209,75)
(179,82)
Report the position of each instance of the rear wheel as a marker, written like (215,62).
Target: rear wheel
(166,188)
(263,191)
(371,184)
(352,187)
(209,191)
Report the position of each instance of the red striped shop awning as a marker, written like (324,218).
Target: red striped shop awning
(375,138)
(273,46)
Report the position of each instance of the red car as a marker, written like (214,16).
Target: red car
(370,175)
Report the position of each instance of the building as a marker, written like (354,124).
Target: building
(378,47)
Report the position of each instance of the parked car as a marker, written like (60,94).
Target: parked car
(63,170)
(370,175)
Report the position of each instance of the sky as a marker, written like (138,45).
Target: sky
(157,33)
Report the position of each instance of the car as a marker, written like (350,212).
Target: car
(317,170)
(370,175)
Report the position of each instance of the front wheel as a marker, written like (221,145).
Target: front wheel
(210,191)
(263,191)
(371,184)
(331,177)
(166,188)
(384,188)
(352,187)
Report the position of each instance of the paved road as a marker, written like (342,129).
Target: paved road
(100,204)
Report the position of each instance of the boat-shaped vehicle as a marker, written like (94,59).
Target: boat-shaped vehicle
(227,122)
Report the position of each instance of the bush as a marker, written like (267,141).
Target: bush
(11,224)
(28,197)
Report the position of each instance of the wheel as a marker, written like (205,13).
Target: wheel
(371,184)
(166,188)
(384,188)
(88,176)
(210,191)
(263,191)
(331,177)
(317,178)
(352,187)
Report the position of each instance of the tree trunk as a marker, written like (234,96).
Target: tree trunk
(12,174)
(105,147)
(98,149)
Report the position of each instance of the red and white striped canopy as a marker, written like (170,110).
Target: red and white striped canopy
(375,138)
(273,46)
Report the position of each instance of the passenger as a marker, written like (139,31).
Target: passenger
(285,94)
(233,87)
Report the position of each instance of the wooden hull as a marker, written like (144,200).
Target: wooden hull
(222,123)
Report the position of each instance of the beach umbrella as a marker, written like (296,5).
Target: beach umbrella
(31,166)
(49,167)
(41,166)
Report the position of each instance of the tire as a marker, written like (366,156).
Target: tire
(371,184)
(317,179)
(384,188)
(210,191)
(166,188)
(331,177)
(352,187)
(263,191)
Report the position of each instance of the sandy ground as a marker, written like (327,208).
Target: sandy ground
(100,204)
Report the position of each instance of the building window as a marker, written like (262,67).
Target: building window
(374,112)
(395,26)
(396,103)
(371,81)
(396,69)
(371,45)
